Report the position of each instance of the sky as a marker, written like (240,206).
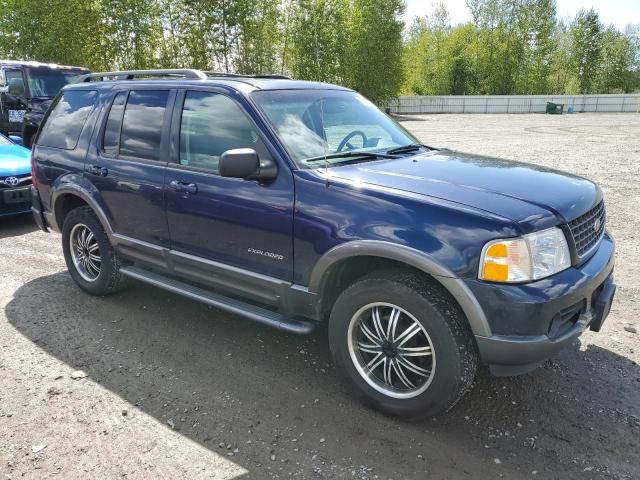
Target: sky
(616,12)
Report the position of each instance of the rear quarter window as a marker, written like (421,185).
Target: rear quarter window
(65,122)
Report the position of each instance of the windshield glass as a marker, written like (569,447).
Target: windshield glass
(314,123)
(4,140)
(47,82)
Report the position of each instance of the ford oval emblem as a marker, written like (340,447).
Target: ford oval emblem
(11,181)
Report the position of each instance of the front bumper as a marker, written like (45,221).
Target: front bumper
(15,201)
(531,322)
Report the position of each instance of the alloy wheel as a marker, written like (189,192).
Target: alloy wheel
(85,252)
(391,350)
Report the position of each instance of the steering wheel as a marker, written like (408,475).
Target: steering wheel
(345,141)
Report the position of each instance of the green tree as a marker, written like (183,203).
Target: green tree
(50,31)
(318,37)
(617,62)
(537,23)
(375,53)
(510,46)
(586,49)
(258,36)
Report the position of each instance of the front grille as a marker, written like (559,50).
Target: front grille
(23,181)
(588,229)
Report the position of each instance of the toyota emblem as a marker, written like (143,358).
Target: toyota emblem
(11,181)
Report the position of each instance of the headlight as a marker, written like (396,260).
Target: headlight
(526,258)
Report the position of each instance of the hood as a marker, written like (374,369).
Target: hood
(521,192)
(14,160)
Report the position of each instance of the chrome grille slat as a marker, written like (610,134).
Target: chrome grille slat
(585,236)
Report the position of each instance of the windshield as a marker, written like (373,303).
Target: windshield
(47,82)
(4,140)
(315,123)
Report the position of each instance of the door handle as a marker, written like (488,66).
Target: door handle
(97,170)
(183,187)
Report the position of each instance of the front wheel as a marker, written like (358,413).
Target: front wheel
(403,343)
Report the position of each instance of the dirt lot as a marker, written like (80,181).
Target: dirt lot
(174,389)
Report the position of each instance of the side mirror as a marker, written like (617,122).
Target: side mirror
(244,163)
(16,139)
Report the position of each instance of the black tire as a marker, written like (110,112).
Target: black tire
(455,354)
(109,279)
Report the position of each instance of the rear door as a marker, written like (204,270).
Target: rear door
(127,168)
(229,221)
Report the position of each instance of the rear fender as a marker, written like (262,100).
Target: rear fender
(77,185)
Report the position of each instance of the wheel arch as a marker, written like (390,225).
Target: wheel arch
(71,196)
(379,253)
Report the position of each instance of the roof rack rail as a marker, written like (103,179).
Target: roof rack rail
(239,75)
(131,74)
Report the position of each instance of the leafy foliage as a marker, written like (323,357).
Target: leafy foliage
(510,46)
(519,47)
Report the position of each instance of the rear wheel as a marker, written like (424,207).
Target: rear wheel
(91,260)
(403,343)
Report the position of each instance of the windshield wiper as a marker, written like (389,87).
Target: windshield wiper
(412,147)
(349,155)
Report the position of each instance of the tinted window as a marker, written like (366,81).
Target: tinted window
(47,82)
(142,124)
(15,82)
(111,138)
(65,122)
(212,124)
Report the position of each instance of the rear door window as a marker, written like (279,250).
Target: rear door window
(66,121)
(142,124)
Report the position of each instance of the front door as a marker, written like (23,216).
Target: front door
(225,221)
(12,100)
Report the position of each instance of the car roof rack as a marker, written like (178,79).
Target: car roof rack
(276,76)
(188,73)
(131,74)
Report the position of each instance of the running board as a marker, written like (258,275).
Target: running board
(258,314)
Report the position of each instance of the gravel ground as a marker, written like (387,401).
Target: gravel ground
(145,384)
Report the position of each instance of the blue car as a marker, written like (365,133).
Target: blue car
(15,178)
(296,203)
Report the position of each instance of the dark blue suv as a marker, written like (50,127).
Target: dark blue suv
(293,203)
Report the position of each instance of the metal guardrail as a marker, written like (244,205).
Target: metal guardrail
(513,103)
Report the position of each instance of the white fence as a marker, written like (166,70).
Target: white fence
(514,103)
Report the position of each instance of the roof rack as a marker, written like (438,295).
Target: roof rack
(239,75)
(170,72)
(131,74)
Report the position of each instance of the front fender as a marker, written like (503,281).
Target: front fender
(409,256)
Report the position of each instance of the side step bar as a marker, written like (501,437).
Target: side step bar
(258,314)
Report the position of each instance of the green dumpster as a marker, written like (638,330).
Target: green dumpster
(555,108)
